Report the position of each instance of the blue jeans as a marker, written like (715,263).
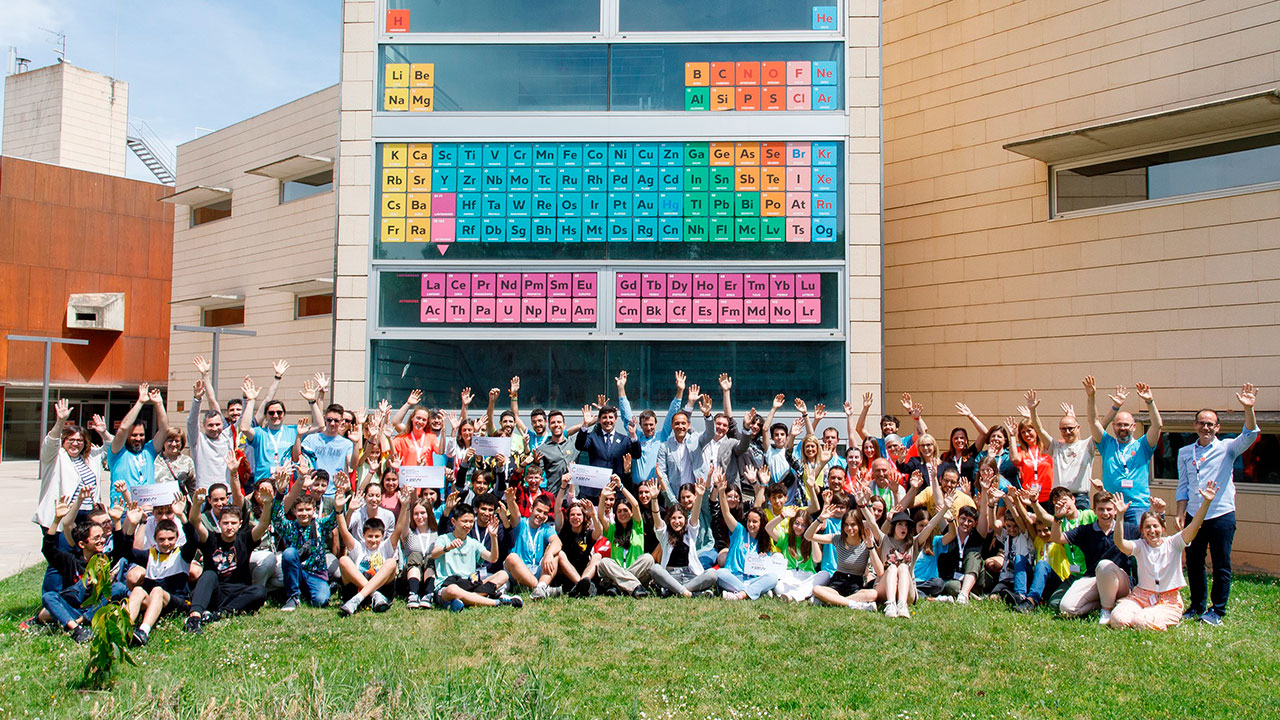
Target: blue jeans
(1134,512)
(1216,536)
(317,586)
(65,606)
(1021,568)
(708,558)
(1040,580)
(754,586)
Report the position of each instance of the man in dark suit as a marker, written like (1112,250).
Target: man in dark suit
(605,447)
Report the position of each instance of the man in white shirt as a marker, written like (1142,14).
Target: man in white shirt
(1211,458)
(681,454)
(1072,456)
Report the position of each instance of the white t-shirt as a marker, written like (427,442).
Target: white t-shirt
(1160,568)
(371,561)
(356,524)
(1072,464)
(690,538)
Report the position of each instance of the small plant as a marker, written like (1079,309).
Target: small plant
(111,627)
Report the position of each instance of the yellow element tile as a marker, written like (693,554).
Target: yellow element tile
(396,99)
(422,100)
(396,75)
(394,155)
(422,75)
(393,205)
(420,155)
(419,179)
(394,180)
(721,154)
(419,230)
(392,230)
(419,205)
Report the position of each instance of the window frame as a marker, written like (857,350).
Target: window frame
(299,297)
(1142,150)
(191,212)
(1266,427)
(332,180)
(205,310)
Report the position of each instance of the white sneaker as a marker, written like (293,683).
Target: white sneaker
(1104,617)
(903,610)
(349,607)
(864,606)
(891,610)
(943,598)
(554,592)
(539,593)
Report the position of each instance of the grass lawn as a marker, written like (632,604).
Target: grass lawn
(621,658)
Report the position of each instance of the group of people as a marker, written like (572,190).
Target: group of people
(740,508)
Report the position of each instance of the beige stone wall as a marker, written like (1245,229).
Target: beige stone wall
(67,116)
(985,296)
(263,243)
(33,115)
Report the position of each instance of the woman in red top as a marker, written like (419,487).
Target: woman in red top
(1035,466)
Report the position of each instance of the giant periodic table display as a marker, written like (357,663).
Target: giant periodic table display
(681,234)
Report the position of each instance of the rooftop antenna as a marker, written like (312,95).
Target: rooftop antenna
(60,44)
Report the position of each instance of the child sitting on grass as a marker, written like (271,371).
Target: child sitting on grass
(374,560)
(457,556)
(165,584)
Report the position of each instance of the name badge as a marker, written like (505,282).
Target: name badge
(957,576)
(1126,483)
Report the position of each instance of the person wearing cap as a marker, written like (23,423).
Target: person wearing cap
(897,586)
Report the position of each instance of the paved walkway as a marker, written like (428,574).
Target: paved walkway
(19,537)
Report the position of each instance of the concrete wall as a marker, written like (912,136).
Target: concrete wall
(263,243)
(68,116)
(985,296)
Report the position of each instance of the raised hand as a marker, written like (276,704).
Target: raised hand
(248,389)
(1247,396)
(202,366)
(848,408)
(695,392)
(917,480)
(1068,409)
(62,409)
(232,460)
(906,401)
(726,382)
(868,399)
(631,428)
(588,415)
(1090,386)
(1010,425)
(1209,491)
(304,425)
(704,404)
(384,407)
(819,412)
(310,391)
(962,409)
(778,400)
(801,406)
(279,366)
(493,394)
(916,410)
(621,381)
(680,381)
(144,393)
(1120,395)
(98,424)
(1144,391)
(789,511)
(154,397)
(264,495)
(1033,400)
(466,396)
(62,507)
(601,401)
(515,384)
(797,426)
(197,389)
(1024,411)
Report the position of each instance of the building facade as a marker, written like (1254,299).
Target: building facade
(1077,188)
(253,247)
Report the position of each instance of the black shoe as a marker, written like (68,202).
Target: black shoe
(640,593)
(610,591)
(580,588)
(193,624)
(140,638)
(1025,605)
(82,634)
(663,593)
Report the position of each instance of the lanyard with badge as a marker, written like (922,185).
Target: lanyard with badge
(1123,454)
(419,448)
(273,439)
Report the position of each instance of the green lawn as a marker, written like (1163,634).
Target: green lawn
(621,658)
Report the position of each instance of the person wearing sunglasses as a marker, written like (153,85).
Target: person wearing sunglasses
(329,448)
(272,443)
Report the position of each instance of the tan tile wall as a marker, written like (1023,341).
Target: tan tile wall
(984,297)
(263,243)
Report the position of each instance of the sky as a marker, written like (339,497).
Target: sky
(192,65)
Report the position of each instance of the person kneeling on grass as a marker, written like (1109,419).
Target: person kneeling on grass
(855,549)
(457,557)
(373,561)
(1156,603)
(66,606)
(226,586)
(165,584)
(304,540)
(536,546)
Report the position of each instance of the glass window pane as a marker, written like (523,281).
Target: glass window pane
(506,78)
(1217,166)
(1259,464)
(566,374)
(447,16)
(685,16)
(306,187)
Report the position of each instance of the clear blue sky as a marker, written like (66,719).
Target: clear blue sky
(189,63)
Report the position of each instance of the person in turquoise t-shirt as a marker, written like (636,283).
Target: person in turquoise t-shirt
(536,547)
(1126,460)
(273,442)
(131,458)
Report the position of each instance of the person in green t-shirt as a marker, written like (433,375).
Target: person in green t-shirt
(628,565)
(1046,581)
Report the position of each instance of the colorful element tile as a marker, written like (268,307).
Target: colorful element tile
(762,86)
(609,192)
(502,298)
(718,299)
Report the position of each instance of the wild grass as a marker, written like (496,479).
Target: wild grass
(650,659)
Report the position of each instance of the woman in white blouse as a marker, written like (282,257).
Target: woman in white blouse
(68,460)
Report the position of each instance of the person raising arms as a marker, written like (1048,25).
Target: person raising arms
(1126,459)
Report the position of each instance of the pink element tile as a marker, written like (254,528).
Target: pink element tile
(432,310)
(628,285)
(559,310)
(534,285)
(799,97)
(432,284)
(808,285)
(782,285)
(508,309)
(443,230)
(533,310)
(730,312)
(459,285)
(730,285)
(508,284)
(628,311)
(584,309)
(484,285)
(797,229)
(653,285)
(457,310)
(653,310)
(756,285)
(704,310)
(484,310)
(705,285)
(797,204)
(799,179)
(560,285)
(679,310)
(798,72)
(444,205)
(798,153)
(679,285)
(808,311)
(584,286)
(756,311)
(782,312)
